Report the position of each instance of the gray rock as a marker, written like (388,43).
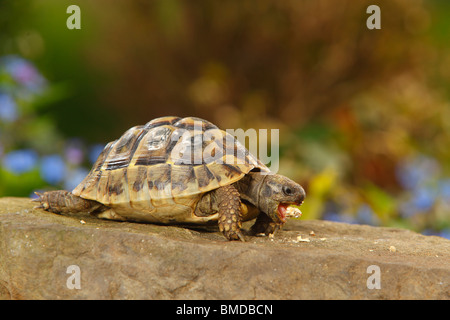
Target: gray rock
(119,260)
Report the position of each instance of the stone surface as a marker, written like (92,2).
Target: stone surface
(120,260)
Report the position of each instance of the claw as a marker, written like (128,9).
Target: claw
(272,232)
(39,197)
(43,204)
(241,237)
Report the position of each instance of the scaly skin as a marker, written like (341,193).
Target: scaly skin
(264,225)
(229,212)
(62,201)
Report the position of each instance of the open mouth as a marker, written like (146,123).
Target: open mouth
(285,210)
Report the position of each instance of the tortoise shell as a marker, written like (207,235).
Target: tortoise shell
(159,171)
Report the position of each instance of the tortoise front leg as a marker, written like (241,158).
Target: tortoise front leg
(265,225)
(230,218)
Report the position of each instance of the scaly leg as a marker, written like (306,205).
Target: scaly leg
(62,201)
(229,212)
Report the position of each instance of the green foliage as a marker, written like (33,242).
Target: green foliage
(19,184)
(383,204)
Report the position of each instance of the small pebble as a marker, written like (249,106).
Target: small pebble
(300,239)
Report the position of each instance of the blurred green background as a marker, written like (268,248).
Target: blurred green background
(364,115)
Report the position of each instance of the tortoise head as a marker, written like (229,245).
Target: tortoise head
(278,192)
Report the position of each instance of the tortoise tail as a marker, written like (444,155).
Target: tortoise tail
(62,201)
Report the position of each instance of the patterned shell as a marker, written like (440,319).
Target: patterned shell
(169,162)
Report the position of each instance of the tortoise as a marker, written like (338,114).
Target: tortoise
(181,171)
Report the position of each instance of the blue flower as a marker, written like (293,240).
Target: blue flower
(444,189)
(415,172)
(445,233)
(74,177)
(420,201)
(408,176)
(8,108)
(338,217)
(95,151)
(53,169)
(20,161)
(365,215)
(423,199)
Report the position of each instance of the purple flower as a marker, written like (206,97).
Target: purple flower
(24,73)
(53,169)
(8,108)
(74,152)
(20,161)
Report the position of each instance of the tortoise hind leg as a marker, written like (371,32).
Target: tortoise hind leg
(109,214)
(62,201)
(229,212)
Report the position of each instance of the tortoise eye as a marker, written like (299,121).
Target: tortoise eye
(288,191)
